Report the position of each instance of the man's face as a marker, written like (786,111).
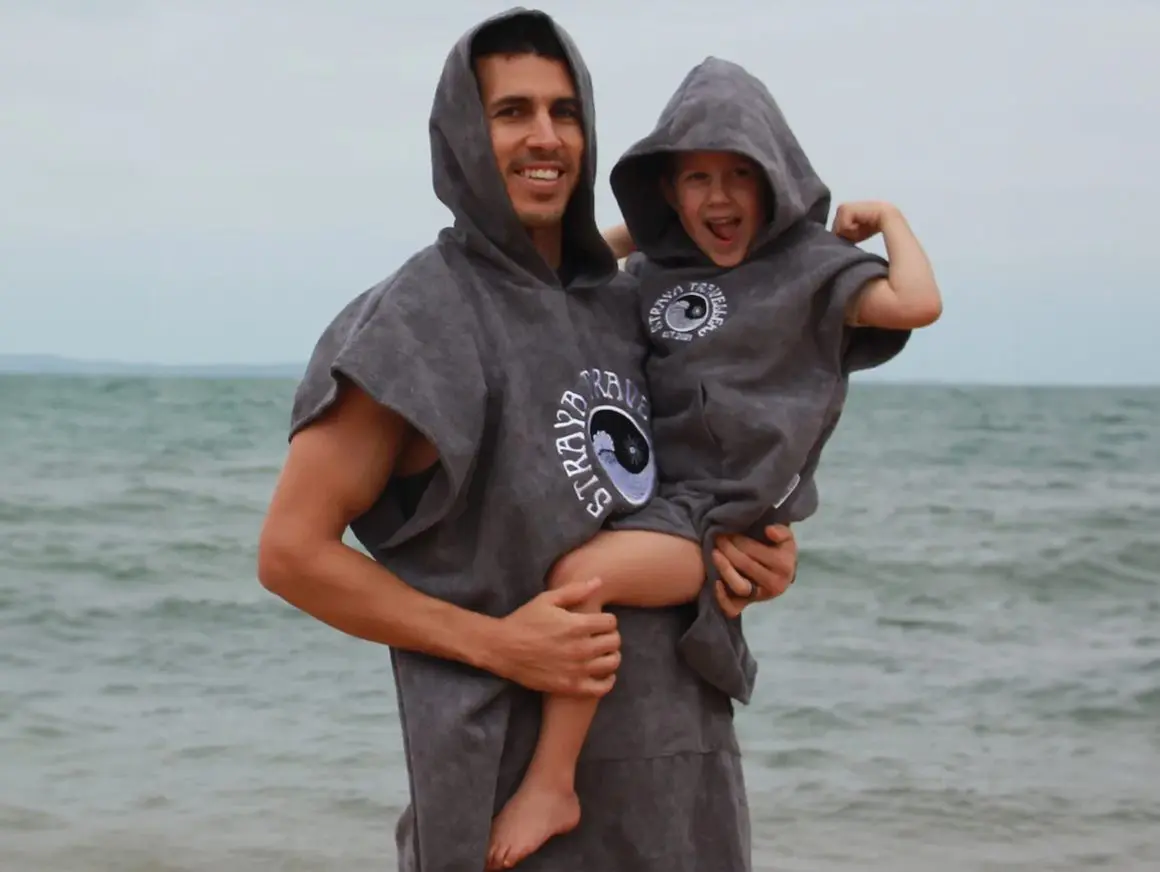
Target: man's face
(533,115)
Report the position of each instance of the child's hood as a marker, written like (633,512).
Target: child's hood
(718,107)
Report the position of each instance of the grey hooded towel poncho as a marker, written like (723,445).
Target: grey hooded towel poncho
(749,366)
(532,391)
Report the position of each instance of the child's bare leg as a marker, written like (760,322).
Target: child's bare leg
(637,568)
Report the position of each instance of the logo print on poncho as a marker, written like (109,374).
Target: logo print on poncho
(605,419)
(622,450)
(688,311)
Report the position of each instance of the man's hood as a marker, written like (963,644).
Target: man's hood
(468,181)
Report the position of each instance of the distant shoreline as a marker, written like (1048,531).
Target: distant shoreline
(56,365)
(47,364)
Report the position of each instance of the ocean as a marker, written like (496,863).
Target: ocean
(966,675)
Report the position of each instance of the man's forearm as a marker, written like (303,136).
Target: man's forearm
(352,593)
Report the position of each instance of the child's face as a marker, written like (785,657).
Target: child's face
(718,196)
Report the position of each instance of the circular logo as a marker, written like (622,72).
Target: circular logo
(624,453)
(687,312)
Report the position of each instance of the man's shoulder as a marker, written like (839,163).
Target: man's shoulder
(424,285)
(623,284)
(424,277)
(421,299)
(620,293)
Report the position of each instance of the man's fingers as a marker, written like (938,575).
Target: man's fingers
(605,643)
(769,566)
(736,583)
(594,686)
(746,565)
(604,666)
(729,606)
(778,533)
(573,593)
(766,555)
(596,623)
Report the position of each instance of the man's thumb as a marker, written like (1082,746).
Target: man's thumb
(777,534)
(574,592)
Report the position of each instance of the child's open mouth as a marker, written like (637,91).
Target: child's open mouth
(724,229)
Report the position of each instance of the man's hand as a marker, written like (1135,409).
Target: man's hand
(857,222)
(544,645)
(752,571)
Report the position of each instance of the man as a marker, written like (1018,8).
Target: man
(472,418)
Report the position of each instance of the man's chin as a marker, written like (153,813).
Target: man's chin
(542,217)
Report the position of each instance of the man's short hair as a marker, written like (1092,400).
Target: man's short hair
(521,34)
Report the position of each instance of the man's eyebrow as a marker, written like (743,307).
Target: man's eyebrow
(568,103)
(509,100)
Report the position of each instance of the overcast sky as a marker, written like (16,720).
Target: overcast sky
(210,180)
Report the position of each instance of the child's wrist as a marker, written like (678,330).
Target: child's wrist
(892,219)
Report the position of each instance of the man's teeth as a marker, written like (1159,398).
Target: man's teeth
(543,175)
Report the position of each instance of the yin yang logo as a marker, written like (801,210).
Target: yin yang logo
(687,312)
(624,452)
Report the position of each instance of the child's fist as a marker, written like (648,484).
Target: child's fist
(857,222)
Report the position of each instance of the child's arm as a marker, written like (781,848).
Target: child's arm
(908,297)
(620,241)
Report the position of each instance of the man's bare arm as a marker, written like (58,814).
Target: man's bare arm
(335,470)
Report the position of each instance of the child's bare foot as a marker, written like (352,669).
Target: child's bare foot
(535,814)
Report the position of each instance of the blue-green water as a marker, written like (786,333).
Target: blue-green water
(965,677)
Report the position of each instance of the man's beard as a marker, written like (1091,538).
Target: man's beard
(538,219)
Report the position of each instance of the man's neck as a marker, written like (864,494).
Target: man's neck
(549,243)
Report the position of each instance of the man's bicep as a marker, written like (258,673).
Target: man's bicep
(338,465)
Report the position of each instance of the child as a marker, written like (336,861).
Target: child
(756,316)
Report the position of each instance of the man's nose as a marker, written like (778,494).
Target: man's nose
(544,134)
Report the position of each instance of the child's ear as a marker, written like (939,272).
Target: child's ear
(668,190)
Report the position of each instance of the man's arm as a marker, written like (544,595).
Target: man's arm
(908,298)
(335,470)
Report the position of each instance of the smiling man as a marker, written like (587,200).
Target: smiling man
(537,134)
(466,418)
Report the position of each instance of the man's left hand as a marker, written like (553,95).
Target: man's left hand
(753,571)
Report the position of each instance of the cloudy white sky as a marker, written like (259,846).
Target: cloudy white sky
(210,180)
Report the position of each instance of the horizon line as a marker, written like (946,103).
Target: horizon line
(63,365)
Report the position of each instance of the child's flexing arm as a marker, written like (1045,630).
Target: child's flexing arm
(908,297)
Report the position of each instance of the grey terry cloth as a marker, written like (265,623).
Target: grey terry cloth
(532,390)
(749,366)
